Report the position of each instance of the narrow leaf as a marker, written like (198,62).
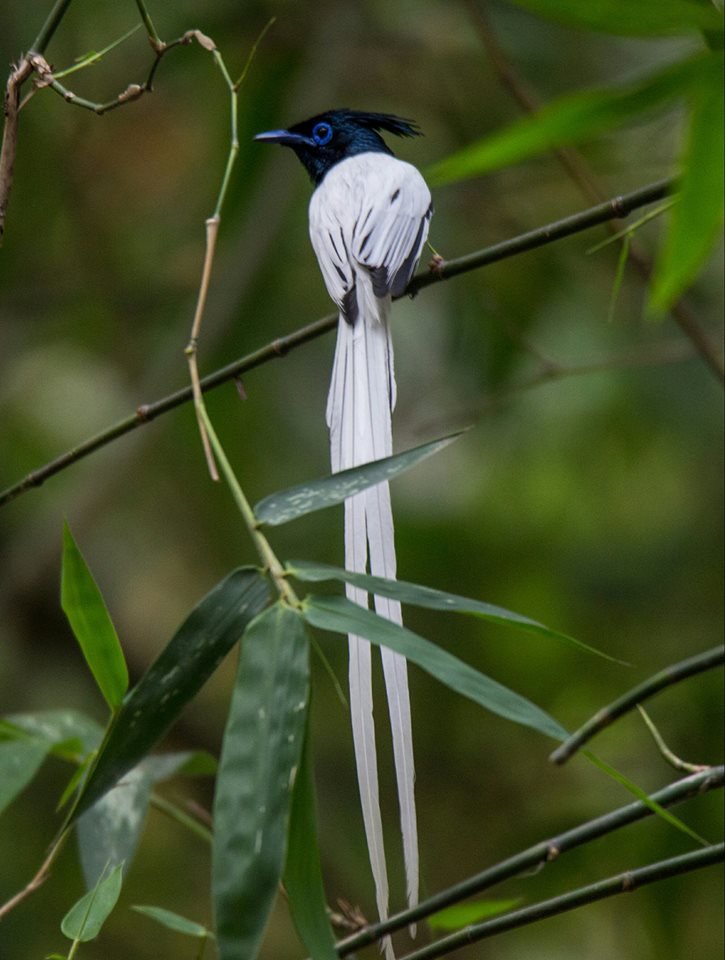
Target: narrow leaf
(175,677)
(199,763)
(303,874)
(340,615)
(570,119)
(86,611)
(696,221)
(20,760)
(643,18)
(462,914)
(622,261)
(257,770)
(419,596)
(295,502)
(642,795)
(58,728)
(172,921)
(109,832)
(85,918)
(93,56)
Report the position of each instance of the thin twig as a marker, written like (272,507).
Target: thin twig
(665,678)
(40,877)
(550,371)
(212,230)
(575,164)
(175,812)
(35,62)
(267,555)
(283,345)
(621,883)
(672,758)
(537,856)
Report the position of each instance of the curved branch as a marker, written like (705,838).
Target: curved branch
(665,678)
(621,883)
(617,207)
(537,856)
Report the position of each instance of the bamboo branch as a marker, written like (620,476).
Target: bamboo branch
(51,24)
(613,209)
(537,856)
(621,883)
(665,678)
(616,207)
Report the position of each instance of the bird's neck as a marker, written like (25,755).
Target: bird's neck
(317,166)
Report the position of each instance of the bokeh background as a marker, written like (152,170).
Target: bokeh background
(592,502)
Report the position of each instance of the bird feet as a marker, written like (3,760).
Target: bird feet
(436,264)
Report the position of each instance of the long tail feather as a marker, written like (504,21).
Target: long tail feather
(362,394)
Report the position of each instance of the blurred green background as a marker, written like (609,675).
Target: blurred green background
(592,503)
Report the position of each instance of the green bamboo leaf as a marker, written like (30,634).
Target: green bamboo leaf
(419,596)
(199,763)
(86,611)
(462,914)
(257,770)
(340,615)
(642,795)
(78,776)
(20,760)
(85,918)
(109,832)
(328,491)
(697,219)
(175,677)
(175,922)
(571,119)
(303,873)
(642,18)
(60,729)
(94,56)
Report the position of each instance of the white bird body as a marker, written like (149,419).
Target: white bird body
(369,220)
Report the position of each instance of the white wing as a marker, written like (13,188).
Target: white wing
(370,215)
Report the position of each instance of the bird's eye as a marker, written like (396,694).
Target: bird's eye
(322,133)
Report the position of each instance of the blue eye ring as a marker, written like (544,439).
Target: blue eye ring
(322,133)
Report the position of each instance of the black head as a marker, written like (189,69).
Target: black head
(324,140)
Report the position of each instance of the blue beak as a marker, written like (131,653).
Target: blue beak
(285,138)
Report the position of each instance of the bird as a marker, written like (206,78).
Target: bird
(369,216)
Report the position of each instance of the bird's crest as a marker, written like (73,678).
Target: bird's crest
(400,126)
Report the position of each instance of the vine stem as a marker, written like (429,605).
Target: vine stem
(212,230)
(40,877)
(181,817)
(267,555)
